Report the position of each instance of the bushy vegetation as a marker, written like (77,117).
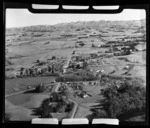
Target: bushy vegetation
(79,75)
(53,57)
(124,98)
(44,110)
(56,103)
(40,88)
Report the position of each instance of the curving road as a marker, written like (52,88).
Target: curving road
(75,103)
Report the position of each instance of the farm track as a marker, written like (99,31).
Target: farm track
(19,92)
(75,103)
(101,39)
(66,65)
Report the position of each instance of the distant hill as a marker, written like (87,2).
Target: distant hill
(79,24)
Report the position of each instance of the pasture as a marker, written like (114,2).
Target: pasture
(21,106)
(23,83)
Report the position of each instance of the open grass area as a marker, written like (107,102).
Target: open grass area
(20,106)
(23,83)
(82,112)
(18,113)
(30,100)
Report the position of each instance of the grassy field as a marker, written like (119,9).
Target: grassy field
(18,113)
(20,107)
(23,83)
(82,112)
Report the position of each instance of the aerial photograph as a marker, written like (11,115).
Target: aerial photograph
(75,65)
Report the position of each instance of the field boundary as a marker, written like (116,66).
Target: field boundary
(20,92)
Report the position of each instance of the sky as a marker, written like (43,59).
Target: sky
(23,17)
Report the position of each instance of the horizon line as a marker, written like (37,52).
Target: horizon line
(70,22)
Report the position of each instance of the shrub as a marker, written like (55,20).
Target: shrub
(70,107)
(44,110)
(40,88)
(93,45)
(61,106)
(38,61)
(53,57)
(56,97)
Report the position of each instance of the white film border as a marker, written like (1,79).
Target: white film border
(74,121)
(45,121)
(106,121)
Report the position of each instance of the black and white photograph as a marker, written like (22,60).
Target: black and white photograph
(73,66)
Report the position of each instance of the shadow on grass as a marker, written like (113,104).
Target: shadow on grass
(132,114)
(94,109)
(94,115)
(124,59)
(43,111)
(38,112)
(126,116)
(31,91)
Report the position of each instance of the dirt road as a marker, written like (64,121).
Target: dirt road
(20,92)
(66,65)
(75,104)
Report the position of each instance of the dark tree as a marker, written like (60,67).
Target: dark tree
(93,45)
(81,44)
(53,57)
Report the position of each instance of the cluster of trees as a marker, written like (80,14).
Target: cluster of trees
(79,75)
(123,101)
(56,103)
(40,88)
